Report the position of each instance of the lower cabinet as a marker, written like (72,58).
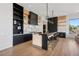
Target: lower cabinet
(62,34)
(27,37)
(17,39)
(21,38)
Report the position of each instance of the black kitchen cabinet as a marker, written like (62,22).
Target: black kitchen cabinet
(17,24)
(52,24)
(27,37)
(17,19)
(18,36)
(62,34)
(33,18)
(17,39)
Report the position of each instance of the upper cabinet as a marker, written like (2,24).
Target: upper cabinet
(33,19)
(52,24)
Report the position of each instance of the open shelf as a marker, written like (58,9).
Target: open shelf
(17,19)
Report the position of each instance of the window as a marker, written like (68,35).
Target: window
(73,25)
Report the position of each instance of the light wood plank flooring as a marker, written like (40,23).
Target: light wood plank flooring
(63,47)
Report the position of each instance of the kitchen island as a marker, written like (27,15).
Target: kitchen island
(40,40)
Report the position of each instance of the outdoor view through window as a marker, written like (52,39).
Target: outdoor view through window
(74,26)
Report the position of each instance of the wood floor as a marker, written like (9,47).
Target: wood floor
(63,47)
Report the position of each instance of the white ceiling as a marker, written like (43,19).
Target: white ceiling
(57,8)
(38,8)
(63,8)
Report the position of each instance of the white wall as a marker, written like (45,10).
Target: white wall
(6,25)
